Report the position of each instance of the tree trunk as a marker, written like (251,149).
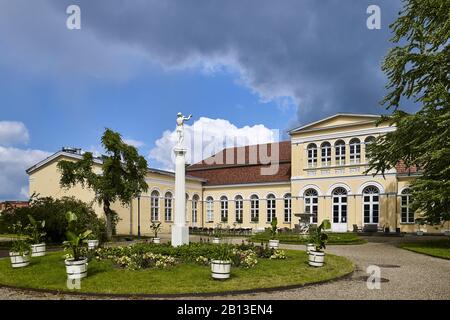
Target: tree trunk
(108,217)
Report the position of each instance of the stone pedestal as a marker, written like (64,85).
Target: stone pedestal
(180,232)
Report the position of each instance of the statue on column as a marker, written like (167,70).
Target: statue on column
(180,128)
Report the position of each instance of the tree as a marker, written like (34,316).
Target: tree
(418,68)
(122,177)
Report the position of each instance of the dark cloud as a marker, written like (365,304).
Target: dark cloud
(319,53)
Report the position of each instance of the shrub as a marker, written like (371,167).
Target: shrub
(53,212)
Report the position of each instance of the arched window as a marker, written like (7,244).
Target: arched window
(224,209)
(326,153)
(287,207)
(168,206)
(210,209)
(369,140)
(311,204)
(355,151)
(154,205)
(339,148)
(271,207)
(339,205)
(195,200)
(312,155)
(371,204)
(239,206)
(407,215)
(254,208)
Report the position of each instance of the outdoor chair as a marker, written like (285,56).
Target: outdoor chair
(356,228)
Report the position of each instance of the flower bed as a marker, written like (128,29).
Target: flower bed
(147,256)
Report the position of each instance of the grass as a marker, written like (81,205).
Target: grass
(435,248)
(291,238)
(49,273)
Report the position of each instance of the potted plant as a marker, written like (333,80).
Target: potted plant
(217,233)
(36,234)
(273,242)
(319,238)
(92,242)
(221,263)
(156,227)
(420,222)
(20,249)
(255,219)
(310,240)
(76,264)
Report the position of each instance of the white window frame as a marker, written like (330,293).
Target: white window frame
(168,207)
(325,154)
(254,208)
(355,151)
(239,208)
(371,203)
(340,150)
(311,204)
(195,200)
(406,194)
(223,209)
(209,209)
(312,155)
(271,202)
(154,206)
(287,208)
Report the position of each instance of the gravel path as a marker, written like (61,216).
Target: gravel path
(409,276)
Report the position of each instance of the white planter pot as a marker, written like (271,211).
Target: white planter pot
(273,244)
(92,244)
(156,240)
(76,269)
(419,233)
(216,240)
(220,269)
(316,258)
(38,250)
(19,260)
(310,247)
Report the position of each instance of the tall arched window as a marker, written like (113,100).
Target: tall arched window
(371,204)
(224,209)
(209,209)
(355,151)
(287,207)
(254,208)
(339,148)
(271,207)
(195,200)
(168,206)
(407,215)
(312,204)
(369,140)
(239,206)
(339,205)
(312,155)
(154,205)
(326,153)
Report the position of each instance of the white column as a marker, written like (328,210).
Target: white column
(180,232)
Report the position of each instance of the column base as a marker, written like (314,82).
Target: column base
(180,235)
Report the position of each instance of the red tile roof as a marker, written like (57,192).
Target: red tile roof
(242,165)
(403,169)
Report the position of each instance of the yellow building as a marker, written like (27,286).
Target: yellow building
(318,174)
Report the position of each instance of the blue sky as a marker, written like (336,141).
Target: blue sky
(133,65)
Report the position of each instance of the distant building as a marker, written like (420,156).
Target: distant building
(14,204)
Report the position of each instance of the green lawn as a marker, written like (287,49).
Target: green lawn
(290,238)
(435,248)
(49,273)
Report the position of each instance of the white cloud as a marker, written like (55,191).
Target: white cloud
(13,178)
(206,137)
(13,132)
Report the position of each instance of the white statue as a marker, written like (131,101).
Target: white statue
(180,127)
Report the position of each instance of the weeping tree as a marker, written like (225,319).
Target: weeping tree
(418,69)
(122,177)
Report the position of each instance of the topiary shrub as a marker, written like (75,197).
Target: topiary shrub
(53,211)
